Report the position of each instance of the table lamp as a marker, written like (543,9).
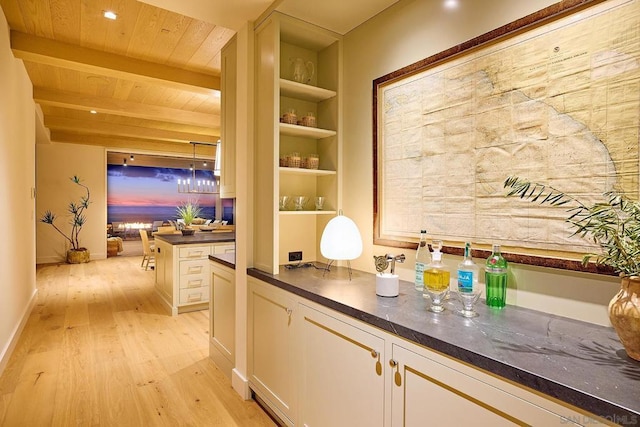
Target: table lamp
(341,240)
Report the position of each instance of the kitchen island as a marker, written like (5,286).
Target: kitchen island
(182,268)
(516,365)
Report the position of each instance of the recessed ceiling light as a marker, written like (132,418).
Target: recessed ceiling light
(450,4)
(110,15)
(93,112)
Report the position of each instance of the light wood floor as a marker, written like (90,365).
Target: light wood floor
(99,350)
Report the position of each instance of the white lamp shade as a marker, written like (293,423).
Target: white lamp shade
(341,239)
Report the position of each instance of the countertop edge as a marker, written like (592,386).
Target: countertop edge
(579,399)
(227,260)
(198,238)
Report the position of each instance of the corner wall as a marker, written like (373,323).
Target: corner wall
(56,164)
(409,31)
(17,178)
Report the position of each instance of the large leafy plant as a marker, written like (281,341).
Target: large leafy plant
(613,225)
(78,218)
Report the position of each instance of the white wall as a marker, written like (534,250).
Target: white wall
(56,164)
(17,178)
(407,32)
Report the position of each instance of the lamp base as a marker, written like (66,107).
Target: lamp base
(328,268)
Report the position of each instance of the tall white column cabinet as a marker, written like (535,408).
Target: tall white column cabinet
(279,41)
(228,104)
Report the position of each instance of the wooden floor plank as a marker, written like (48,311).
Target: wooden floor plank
(99,349)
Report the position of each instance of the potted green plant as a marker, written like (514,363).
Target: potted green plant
(76,254)
(614,225)
(188,211)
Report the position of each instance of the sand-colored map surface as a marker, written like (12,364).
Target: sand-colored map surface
(559,104)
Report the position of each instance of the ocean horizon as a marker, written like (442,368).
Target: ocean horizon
(148,214)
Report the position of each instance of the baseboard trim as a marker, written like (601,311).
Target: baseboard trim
(240,384)
(17,331)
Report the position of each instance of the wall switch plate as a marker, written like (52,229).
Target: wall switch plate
(295,256)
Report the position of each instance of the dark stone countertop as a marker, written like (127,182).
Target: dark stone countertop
(202,237)
(576,362)
(228,260)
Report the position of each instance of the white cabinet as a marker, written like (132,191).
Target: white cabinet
(427,386)
(182,274)
(277,231)
(164,269)
(222,317)
(341,369)
(316,367)
(272,355)
(228,129)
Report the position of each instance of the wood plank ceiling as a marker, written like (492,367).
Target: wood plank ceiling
(152,76)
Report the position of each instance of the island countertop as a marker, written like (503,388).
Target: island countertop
(576,362)
(198,237)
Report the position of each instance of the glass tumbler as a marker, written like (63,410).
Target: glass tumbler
(284,200)
(320,203)
(299,202)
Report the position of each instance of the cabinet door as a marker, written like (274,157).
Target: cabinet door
(426,392)
(164,270)
(342,381)
(271,348)
(228,128)
(223,311)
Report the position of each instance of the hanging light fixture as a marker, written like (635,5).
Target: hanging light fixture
(198,186)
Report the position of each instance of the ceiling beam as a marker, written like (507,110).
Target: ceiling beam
(83,102)
(116,129)
(51,52)
(136,145)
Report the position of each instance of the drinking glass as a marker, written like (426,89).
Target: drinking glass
(299,202)
(468,300)
(284,200)
(437,297)
(319,203)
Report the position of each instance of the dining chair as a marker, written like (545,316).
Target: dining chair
(148,250)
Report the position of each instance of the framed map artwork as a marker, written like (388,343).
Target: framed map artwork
(552,98)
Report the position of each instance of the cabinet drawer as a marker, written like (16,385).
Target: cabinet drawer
(194,252)
(224,249)
(193,267)
(193,281)
(194,295)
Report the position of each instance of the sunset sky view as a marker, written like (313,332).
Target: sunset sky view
(148,186)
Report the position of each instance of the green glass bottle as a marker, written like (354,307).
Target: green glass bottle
(495,277)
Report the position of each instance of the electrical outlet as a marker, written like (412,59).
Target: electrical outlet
(295,256)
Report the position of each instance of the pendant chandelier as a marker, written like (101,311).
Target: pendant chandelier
(193,185)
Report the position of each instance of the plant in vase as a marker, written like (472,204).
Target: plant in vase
(187,212)
(614,226)
(76,254)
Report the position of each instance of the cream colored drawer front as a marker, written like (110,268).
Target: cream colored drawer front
(224,249)
(194,267)
(193,281)
(194,252)
(195,295)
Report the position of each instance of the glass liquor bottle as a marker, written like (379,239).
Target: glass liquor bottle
(436,279)
(467,272)
(495,278)
(423,257)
